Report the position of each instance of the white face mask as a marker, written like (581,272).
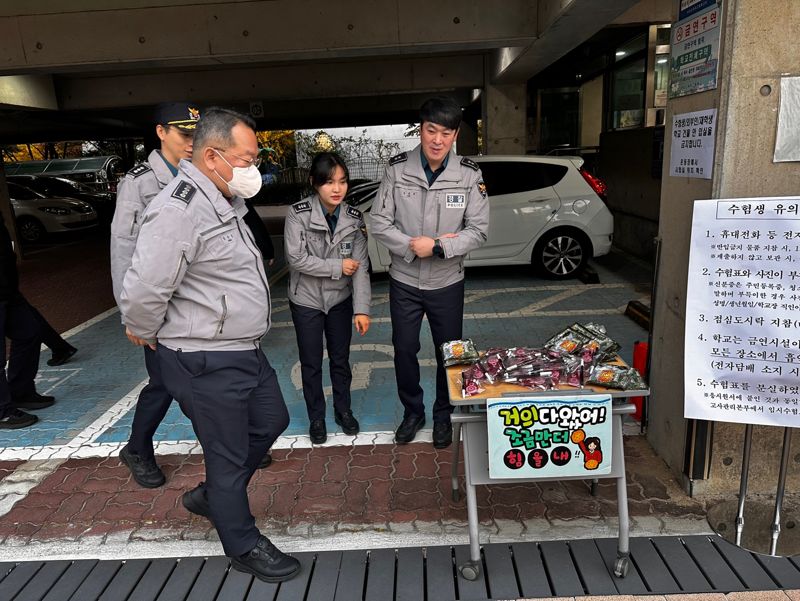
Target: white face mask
(245,182)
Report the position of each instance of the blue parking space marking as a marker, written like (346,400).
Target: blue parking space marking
(501,309)
(105,369)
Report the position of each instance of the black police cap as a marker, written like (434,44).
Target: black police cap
(182,115)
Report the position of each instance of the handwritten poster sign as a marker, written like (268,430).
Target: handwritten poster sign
(694,53)
(692,150)
(556,437)
(742,361)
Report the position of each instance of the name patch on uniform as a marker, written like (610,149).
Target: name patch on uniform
(300,207)
(346,248)
(184,191)
(140,169)
(353,212)
(455,201)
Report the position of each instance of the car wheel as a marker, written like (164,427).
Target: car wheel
(29,229)
(560,254)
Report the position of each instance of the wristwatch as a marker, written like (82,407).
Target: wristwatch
(437,249)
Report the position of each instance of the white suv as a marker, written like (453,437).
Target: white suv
(545,211)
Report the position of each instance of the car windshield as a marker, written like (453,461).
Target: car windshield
(61,186)
(361,194)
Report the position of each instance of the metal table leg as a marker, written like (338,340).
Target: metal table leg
(622,564)
(454,467)
(471,570)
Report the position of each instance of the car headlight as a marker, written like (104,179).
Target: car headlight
(55,210)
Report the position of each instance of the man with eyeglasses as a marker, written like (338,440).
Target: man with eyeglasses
(198,295)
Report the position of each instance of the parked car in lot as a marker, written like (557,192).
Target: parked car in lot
(36,215)
(545,211)
(61,187)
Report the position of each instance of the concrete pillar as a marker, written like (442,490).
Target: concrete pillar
(758,45)
(504,112)
(468,138)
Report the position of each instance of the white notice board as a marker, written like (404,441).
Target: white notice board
(742,351)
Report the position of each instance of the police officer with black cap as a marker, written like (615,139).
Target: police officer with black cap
(431,210)
(197,293)
(176,122)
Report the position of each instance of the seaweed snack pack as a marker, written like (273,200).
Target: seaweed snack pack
(589,341)
(615,376)
(459,352)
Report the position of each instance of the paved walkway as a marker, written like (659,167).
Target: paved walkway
(63,492)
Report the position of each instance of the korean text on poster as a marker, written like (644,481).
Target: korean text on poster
(742,361)
(558,437)
(692,150)
(694,53)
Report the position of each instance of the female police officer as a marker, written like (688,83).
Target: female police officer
(326,248)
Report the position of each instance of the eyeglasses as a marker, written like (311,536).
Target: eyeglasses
(254,162)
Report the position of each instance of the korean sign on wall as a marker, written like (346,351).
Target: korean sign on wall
(549,437)
(692,150)
(694,54)
(742,351)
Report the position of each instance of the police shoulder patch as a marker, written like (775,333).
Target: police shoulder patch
(139,169)
(354,212)
(398,158)
(184,191)
(468,162)
(302,206)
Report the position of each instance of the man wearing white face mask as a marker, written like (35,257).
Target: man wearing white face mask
(196,292)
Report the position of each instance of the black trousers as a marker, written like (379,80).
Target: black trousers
(337,326)
(237,411)
(50,337)
(19,324)
(151,407)
(445,311)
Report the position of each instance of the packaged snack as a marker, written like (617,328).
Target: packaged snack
(615,376)
(470,381)
(493,367)
(459,352)
(567,341)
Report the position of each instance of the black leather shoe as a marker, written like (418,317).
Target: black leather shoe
(408,428)
(317,431)
(266,461)
(143,469)
(266,562)
(196,501)
(442,435)
(16,419)
(32,400)
(61,356)
(348,423)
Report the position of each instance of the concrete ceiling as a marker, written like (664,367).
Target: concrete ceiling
(103,64)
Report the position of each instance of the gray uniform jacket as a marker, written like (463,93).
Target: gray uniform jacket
(406,207)
(135,191)
(197,280)
(315,257)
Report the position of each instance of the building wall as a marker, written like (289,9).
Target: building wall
(591,110)
(758,46)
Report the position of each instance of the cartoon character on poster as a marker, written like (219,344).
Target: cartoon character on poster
(549,438)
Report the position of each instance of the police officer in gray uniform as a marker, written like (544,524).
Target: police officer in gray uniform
(176,122)
(326,249)
(431,210)
(197,292)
